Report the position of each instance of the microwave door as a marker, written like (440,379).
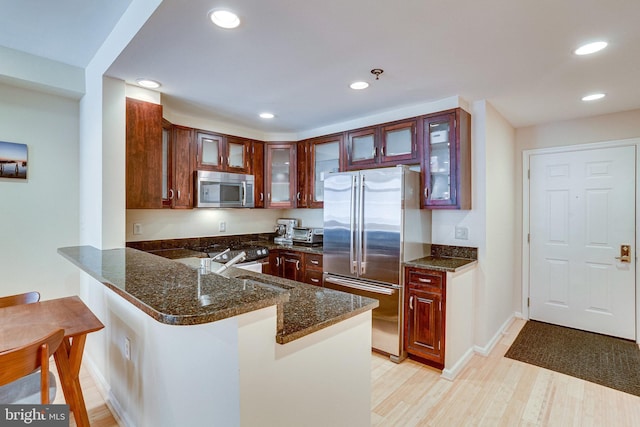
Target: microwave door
(209,193)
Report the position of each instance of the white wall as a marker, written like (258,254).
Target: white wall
(39,215)
(608,127)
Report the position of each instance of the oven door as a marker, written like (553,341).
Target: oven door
(386,318)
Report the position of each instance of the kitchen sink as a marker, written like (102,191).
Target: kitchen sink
(265,283)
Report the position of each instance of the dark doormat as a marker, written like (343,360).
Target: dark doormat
(608,361)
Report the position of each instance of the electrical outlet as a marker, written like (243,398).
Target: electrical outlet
(127,348)
(462,233)
(137,228)
(222,226)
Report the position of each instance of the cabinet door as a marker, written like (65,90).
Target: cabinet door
(293,266)
(143,155)
(167,163)
(399,143)
(324,158)
(210,150)
(424,324)
(280,175)
(303,169)
(276,266)
(257,170)
(362,148)
(446,163)
(182,167)
(236,157)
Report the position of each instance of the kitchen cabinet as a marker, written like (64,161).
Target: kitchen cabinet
(424,322)
(303,169)
(257,170)
(280,175)
(181,161)
(313,269)
(316,158)
(144,155)
(446,163)
(223,153)
(384,145)
(287,264)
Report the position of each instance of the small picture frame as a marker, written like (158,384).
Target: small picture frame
(13,160)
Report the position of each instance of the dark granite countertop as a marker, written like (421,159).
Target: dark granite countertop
(442,263)
(168,291)
(300,248)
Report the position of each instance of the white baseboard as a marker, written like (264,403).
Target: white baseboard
(105,391)
(486,350)
(452,373)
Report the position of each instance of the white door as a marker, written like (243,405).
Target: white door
(582,210)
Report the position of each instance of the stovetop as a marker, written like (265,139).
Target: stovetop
(254,252)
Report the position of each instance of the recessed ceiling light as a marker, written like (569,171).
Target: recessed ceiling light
(149,84)
(359,85)
(267,115)
(593,97)
(590,48)
(224,18)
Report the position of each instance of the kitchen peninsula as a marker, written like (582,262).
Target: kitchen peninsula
(186,348)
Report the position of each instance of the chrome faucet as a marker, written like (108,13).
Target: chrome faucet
(238,258)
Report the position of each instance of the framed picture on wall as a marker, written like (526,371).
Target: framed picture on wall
(13,160)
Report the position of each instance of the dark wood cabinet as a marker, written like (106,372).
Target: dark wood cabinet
(384,145)
(182,167)
(313,269)
(446,163)
(223,153)
(144,150)
(324,156)
(276,266)
(424,322)
(303,166)
(286,264)
(257,170)
(280,175)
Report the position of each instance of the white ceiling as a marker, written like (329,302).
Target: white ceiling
(297,58)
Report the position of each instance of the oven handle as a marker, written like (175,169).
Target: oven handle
(244,193)
(383,290)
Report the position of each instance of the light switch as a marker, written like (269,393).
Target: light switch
(462,233)
(137,228)
(222,226)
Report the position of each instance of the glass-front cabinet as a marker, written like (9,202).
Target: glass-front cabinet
(383,145)
(325,158)
(222,153)
(446,163)
(280,175)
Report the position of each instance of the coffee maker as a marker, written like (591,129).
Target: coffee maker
(284,230)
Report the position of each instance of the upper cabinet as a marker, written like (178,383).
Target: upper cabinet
(446,164)
(144,155)
(316,158)
(217,152)
(181,167)
(384,145)
(257,170)
(280,175)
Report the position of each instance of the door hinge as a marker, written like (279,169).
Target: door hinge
(528,173)
(528,237)
(528,302)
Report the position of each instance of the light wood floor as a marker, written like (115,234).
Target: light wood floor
(490,391)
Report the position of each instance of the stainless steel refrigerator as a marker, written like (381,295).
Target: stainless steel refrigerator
(372,224)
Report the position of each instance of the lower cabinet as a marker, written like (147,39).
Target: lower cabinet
(424,320)
(296,265)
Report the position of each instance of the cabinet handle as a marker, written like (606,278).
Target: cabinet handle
(269,196)
(221,161)
(277,262)
(375,151)
(298,265)
(426,192)
(382,151)
(298,195)
(411,303)
(315,262)
(178,194)
(171,194)
(420,279)
(315,280)
(261,197)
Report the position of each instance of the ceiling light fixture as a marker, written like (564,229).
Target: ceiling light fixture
(359,85)
(267,115)
(593,97)
(149,84)
(224,18)
(590,48)
(376,72)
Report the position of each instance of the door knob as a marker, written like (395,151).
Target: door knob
(625,253)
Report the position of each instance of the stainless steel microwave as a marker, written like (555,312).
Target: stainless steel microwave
(224,190)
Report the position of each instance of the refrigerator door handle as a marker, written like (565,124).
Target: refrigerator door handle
(383,290)
(353,263)
(362,247)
